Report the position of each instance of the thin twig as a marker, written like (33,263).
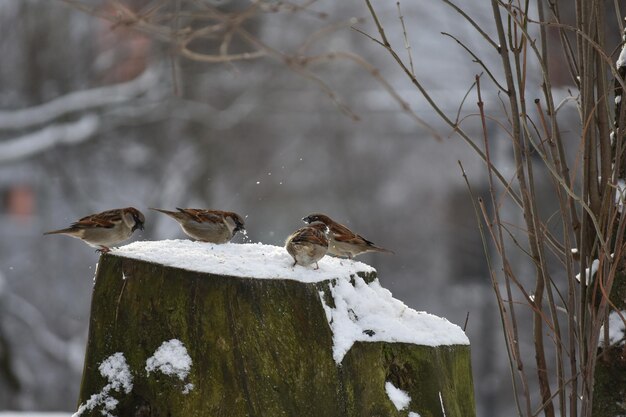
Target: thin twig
(478,61)
(407,44)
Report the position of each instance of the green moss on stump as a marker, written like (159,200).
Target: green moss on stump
(609,385)
(259,348)
(609,398)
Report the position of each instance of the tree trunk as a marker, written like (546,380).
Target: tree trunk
(259,347)
(609,385)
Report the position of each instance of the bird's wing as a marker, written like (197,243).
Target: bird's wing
(106,219)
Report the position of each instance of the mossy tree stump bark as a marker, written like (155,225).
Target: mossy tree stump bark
(260,347)
(609,386)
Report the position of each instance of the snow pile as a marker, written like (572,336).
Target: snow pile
(251,260)
(398,397)
(617,329)
(621,60)
(171,358)
(368,313)
(401,399)
(620,192)
(116,371)
(590,272)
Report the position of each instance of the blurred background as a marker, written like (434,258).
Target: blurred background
(95,115)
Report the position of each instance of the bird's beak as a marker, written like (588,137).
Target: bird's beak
(138,226)
(306,220)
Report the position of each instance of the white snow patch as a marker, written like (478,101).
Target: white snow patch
(620,193)
(95,274)
(414,414)
(443,409)
(621,60)
(590,272)
(398,397)
(70,133)
(617,329)
(327,310)
(368,313)
(116,371)
(47,113)
(618,99)
(249,260)
(171,358)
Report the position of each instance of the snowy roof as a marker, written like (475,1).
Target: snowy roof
(248,260)
(359,312)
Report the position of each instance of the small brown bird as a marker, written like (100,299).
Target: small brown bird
(105,229)
(308,245)
(213,226)
(343,241)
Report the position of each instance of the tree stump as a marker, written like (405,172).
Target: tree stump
(182,328)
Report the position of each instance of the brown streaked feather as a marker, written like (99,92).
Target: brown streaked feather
(308,245)
(202,215)
(355,239)
(310,235)
(341,234)
(215,226)
(340,229)
(105,219)
(205,215)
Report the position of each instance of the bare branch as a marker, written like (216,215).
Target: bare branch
(407,44)
(79,101)
(478,61)
(70,133)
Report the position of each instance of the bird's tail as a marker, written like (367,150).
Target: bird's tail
(375,248)
(168,212)
(67,231)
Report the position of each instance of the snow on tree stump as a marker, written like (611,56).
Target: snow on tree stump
(181,328)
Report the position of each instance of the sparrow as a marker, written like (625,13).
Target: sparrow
(308,244)
(213,226)
(105,229)
(343,241)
